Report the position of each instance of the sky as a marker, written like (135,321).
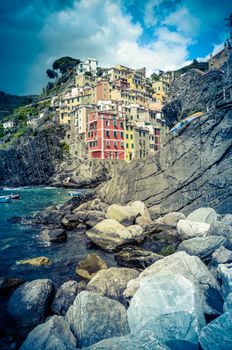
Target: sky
(156,34)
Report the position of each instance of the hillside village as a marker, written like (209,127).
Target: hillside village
(110,113)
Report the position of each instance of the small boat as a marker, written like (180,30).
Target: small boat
(14,196)
(75,194)
(5,199)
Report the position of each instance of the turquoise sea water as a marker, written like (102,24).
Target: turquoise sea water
(20,241)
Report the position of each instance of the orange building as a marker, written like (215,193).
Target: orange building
(101,91)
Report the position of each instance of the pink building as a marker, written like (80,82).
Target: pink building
(105,135)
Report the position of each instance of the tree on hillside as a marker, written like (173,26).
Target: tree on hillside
(63,64)
(51,74)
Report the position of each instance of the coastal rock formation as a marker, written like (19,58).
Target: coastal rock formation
(192,168)
(130,342)
(136,257)
(64,297)
(190,229)
(203,247)
(53,334)
(110,234)
(93,318)
(217,334)
(206,215)
(168,306)
(89,267)
(190,267)
(29,303)
(34,159)
(112,282)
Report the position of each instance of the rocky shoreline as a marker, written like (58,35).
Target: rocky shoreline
(171,288)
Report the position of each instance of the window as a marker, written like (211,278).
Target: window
(115,123)
(127,146)
(116,155)
(121,124)
(115,144)
(122,135)
(115,134)
(131,137)
(132,145)
(107,133)
(127,136)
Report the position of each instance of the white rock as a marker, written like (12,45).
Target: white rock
(190,229)
(171,219)
(125,215)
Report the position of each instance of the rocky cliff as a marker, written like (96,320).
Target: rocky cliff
(32,161)
(193,168)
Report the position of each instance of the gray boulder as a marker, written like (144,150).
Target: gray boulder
(51,335)
(143,219)
(203,247)
(171,219)
(55,236)
(192,268)
(112,282)
(206,215)
(190,229)
(143,341)
(167,305)
(110,234)
(64,297)
(136,257)
(93,318)
(30,302)
(221,228)
(217,335)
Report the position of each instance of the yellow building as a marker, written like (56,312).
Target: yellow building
(160,91)
(69,103)
(136,81)
(128,97)
(129,142)
(84,79)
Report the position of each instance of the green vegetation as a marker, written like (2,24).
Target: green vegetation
(65,147)
(64,64)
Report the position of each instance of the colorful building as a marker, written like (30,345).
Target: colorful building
(105,135)
(218,60)
(89,65)
(101,91)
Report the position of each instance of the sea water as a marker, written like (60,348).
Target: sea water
(22,240)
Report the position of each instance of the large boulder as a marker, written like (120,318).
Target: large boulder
(144,341)
(55,236)
(217,335)
(206,215)
(51,335)
(93,318)
(221,256)
(167,305)
(30,302)
(136,257)
(123,214)
(202,246)
(88,267)
(112,282)
(190,229)
(64,297)
(192,268)
(110,234)
(171,219)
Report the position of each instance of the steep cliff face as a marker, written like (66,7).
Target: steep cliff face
(33,160)
(193,92)
(193,168)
